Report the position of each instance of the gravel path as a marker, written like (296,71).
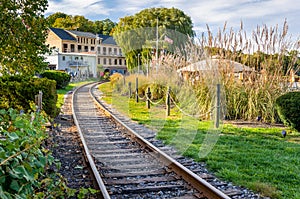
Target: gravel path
(68,149)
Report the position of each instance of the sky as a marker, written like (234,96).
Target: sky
(213,13)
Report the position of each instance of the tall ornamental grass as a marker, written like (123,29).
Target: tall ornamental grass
(248,95)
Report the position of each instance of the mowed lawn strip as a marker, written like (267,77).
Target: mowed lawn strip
(257,158)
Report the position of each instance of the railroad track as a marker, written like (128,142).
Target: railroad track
(129,163)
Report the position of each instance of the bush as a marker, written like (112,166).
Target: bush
(27,167)
(288,109)
(18,92)
(62,78)
(114,78)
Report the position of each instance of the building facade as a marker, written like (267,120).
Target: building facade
(84,53)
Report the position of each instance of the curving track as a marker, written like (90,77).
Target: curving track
(125,164)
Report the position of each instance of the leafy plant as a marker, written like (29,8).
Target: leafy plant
(27,168)
(62,78)
(288,109)
(23,36)
(23,159)
(18,91)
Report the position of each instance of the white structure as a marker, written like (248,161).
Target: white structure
(75,63)
(82,52)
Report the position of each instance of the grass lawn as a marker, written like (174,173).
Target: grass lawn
(61,92)
(257,158)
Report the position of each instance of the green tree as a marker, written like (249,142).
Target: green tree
(137,33)
(108,26)
(51,19)
(80,23)
(23,34)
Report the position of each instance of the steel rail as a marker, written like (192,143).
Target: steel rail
(91,162)
(205,189)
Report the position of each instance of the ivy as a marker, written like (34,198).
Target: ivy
(27,168)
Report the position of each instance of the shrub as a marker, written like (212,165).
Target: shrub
(62,78)
(27,167)
(23,159)
(17,92)
(288,109)
(114,78)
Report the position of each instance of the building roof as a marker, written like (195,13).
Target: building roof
(71,35)
(213,64)
(82,34)
(62,34)
(106,39)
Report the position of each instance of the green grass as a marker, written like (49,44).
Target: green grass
(257,158)
(62,92)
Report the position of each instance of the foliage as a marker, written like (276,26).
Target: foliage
(23,159)
(245,94)
(114,78)
(104,76)
(62,78)
(80,23)
(136,34)
(288,109)
(19,91)
(22,39)
(27,168)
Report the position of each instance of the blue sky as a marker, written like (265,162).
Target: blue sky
(202,12)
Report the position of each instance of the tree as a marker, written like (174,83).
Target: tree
(80,23)
(51,19)
(23,35)
(137,33)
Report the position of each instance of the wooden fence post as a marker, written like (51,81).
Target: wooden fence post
(168,108)
(148,98)
(137,89)
(39,101)
(218,106)
(129,87)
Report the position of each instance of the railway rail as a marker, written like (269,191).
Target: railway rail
(128,162)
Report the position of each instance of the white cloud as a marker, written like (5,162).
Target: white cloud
(77,7)
(211,12)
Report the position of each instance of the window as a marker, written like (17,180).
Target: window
(99,61)
(104,51)
(92,48)
(120,52)
(72,48)
(65,48)
(120,61)
(109,51)
(52,66)
(115,51)
(104,61)
(116,62)
(79,48)
(99,49)
(86,49)
(63,58)
(109,61)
